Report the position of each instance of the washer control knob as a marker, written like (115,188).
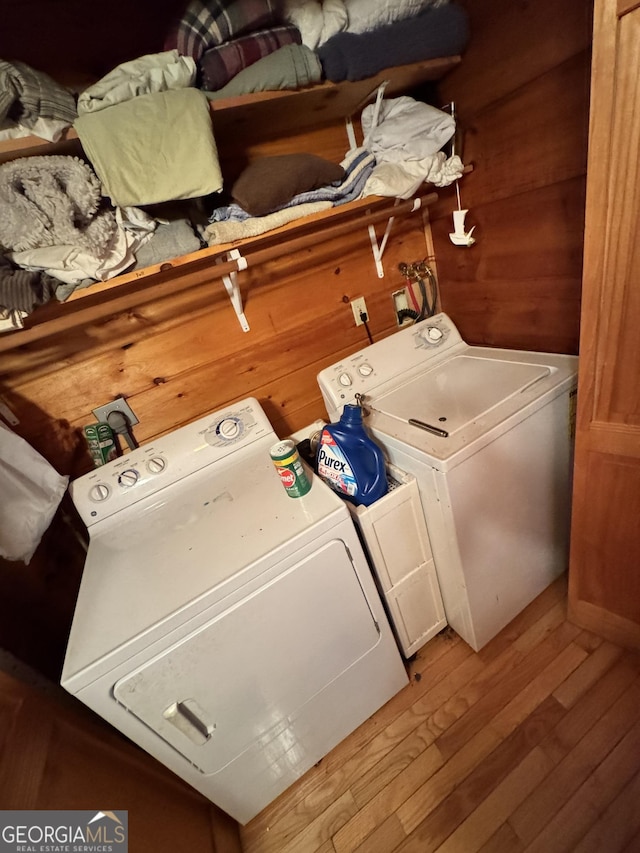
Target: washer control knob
(365,369)
(229,428)
(156,465)
(434,334)
(345,380)
(99,492)
(128,478)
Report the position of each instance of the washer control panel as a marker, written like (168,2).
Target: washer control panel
(382,362)
(152,467)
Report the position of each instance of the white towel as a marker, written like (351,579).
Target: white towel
(30,492)
(230,230)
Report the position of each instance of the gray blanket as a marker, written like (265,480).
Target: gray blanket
(52,201)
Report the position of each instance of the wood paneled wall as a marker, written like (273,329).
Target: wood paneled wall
(184,356)
(522,96)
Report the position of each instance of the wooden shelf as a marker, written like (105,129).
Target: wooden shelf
(275,112)
(124,292)
(261,114)
(286,111)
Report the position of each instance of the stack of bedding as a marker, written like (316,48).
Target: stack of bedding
(65,222)
(225,37)
(243,46)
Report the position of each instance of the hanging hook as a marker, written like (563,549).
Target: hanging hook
(459,237)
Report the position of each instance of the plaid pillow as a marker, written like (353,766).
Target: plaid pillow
(206,23)
(220,64)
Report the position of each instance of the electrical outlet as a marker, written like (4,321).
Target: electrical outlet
(359,306)
(117,405)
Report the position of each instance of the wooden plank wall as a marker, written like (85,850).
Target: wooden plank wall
(522,94)
(184,356)
(522,100)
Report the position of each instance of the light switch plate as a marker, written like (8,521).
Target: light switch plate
(117,405)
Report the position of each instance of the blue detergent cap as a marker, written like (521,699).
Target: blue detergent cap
(351,415)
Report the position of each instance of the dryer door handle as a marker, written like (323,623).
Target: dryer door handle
(190,719)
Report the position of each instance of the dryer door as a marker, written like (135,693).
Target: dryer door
(241,679)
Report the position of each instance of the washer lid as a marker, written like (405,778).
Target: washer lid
(176,552)
(460,391)
(471,397)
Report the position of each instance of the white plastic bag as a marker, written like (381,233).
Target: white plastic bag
(30,492)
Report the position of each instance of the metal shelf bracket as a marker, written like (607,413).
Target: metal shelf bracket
(233,288)
(378,248)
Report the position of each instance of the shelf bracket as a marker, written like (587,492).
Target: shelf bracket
(233,288)
(378,248)
(351,134)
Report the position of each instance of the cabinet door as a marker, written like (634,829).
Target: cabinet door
(604,592)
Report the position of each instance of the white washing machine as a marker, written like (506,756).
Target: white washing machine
(488,434)
(233,632)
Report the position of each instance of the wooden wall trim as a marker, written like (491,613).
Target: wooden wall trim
(625,6)
(603,622)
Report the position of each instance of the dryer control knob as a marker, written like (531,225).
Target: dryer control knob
(229,428)
(99,493)
(434,334)
(156,465)
(345,379)
(128,478)
(365,369)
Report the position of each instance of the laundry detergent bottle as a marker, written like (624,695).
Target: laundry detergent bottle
(351,462)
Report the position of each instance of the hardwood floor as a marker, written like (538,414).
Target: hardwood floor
(532,744)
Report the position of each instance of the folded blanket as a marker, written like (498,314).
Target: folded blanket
(52,200)
(153,148)
(443,31)
(170,240)
(156,72)
(227,232)
(205,23)
(22,290)
(291,67)
(219,65)
(317,21)
(365,16)
(27,94)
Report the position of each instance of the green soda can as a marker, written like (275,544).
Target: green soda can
(102,445)
(287,461)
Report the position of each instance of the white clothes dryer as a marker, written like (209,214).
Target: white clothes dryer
(488,434)
(233,632)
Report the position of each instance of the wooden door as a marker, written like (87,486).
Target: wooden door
(56,755)
(604,592)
